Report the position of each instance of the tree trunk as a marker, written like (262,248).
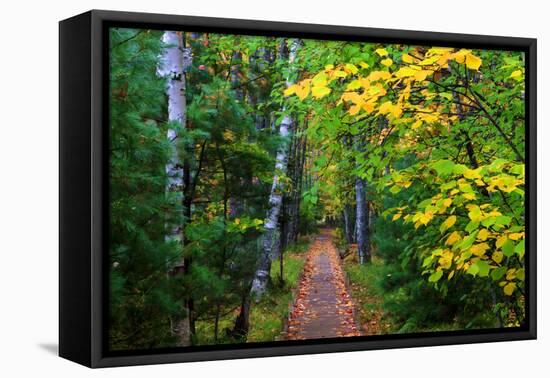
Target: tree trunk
(271,236)
(295,196)
(237,203)
(362,221)
(174,63)
(348,224)
(259,64)
(242,322)
(361,212)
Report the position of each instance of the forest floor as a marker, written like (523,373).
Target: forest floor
(323,307)
(370,314)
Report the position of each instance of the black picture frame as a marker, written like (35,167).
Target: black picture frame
(83,120)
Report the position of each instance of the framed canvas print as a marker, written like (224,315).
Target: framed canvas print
(233,188)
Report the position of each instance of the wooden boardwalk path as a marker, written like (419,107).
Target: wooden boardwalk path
(323,307)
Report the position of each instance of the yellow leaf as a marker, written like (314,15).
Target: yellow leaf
(319,92)
(509,288)
(449,222)
(473,62)
(444,60)
(355,84)
(516,236)
(387,62)
(446,259)
(501,240)
(397,110)
(377,75)
(386,107)
(363,65)
(320,80)
(461,55)
(329,67)
(440,50)
(237,221)
(516,73)
(422,75)
(497,257)
(396,217)
(351,68)
(472,173)
(228,134)
(381,52)
(339,73)
(354,109)
(405,72)
(416,125)
(483,234)
(429,61)
(474,213)
(302,91)
(290,90)
(469,196)
(407,58)
(479,249)
(453,238)
(425,218)
(376,90)
(368,107)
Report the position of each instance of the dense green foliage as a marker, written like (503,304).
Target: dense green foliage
(142,300)
(435,136)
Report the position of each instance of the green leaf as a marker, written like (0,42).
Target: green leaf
(459,169)
(471,226)
(436,276)
(427,261)
(520,247)
(395,189)
(520,274)
(473,269)
(443,167)
(508,248)
(448,185)
(468,241)
(483,267)
(503,220)
(498,273)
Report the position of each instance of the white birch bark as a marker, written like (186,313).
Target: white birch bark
(271,237)
(174,62)
(172,69)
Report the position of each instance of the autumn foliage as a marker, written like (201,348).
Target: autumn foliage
(397,171)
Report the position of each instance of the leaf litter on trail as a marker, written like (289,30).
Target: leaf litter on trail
(323,306)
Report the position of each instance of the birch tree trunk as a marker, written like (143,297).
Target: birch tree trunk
(172,69)
(174,63)
(271,238)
